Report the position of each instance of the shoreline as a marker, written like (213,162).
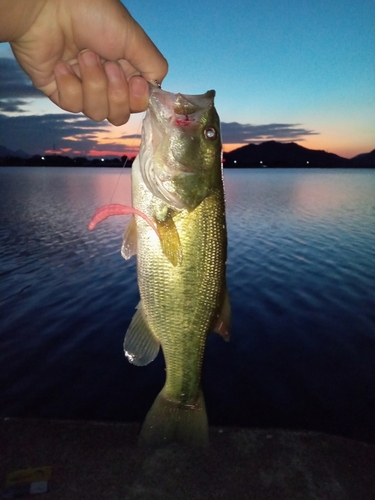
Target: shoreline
(101,460)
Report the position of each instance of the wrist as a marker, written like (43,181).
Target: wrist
(16,17)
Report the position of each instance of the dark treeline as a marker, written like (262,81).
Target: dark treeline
(291,155)
(269,154)
(64,161)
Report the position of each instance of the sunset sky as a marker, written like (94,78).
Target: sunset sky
(297,70)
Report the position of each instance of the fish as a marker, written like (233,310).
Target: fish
(178,233)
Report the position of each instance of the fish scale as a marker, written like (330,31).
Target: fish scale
(183,301)
(178,233)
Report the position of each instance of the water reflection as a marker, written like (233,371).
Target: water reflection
(301,273)
(113,186)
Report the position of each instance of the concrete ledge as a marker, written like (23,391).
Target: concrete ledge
(101,461)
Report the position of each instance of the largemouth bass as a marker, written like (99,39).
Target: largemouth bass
(179,234)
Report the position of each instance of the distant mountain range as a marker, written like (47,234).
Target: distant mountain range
(267,154)
(4,152)
(278,154)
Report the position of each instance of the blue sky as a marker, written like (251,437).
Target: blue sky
(291,70)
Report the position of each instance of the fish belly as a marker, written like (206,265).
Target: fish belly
(181,303)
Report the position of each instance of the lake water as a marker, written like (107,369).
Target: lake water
(301,277)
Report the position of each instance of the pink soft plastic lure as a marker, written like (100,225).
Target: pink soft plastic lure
(117,209)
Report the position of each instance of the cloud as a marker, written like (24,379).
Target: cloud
(16,89)
(238,133)
(14,83)
(12,105)
(131,136)
(36,134)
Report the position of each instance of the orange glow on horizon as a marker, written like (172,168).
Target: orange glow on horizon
(118,144)
(119,153)
(227,148)
(115,143)
(132,151)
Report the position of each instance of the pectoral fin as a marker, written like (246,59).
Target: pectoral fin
(140,344)
(222,325)
(169,239)
(129,242)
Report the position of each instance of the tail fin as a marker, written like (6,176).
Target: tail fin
(169,421)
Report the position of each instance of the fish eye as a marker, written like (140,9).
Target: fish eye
(210,133)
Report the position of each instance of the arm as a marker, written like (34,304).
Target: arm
(17,17)
(88,56)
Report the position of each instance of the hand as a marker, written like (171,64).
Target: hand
(87,55)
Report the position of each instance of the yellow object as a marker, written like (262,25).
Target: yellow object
(29,475)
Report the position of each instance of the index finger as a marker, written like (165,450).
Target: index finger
(117,36)
(144,56)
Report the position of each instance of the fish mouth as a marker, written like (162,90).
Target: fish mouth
(169,117)
(179,109)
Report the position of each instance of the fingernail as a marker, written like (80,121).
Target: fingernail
(113,71)
(89,58)
(139,87)
(62,68)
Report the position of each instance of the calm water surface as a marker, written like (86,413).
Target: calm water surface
(301,277)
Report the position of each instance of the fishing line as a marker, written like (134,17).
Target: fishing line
(118,180)
(158,85)
(138,132)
